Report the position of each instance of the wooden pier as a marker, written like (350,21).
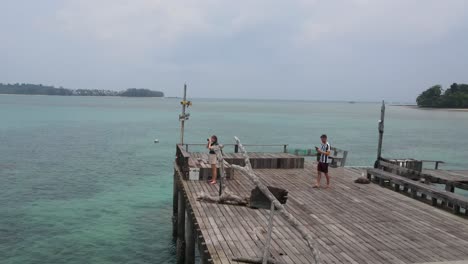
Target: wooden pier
(350,222)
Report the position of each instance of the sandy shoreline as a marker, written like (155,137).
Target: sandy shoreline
(436,109)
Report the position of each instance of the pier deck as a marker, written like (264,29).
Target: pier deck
(352,223)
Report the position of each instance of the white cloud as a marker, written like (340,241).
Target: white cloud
(415,21)
(132,25)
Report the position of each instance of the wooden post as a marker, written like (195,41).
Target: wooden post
(175,204)
(236,148)
(189,238)
(434,201)
(449,187)
(182,117)
(343,161)
(381,182)
(181,229)
(266,250)
(381,132)
(285,148)
(396,187)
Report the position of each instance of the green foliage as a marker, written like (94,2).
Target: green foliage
(454,97)
(134,92)
(39,89)
(35,89)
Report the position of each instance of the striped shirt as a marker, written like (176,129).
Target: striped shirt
(325,148)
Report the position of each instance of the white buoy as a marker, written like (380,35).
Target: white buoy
(156,141)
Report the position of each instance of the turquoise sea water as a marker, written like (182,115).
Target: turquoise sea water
(81,180)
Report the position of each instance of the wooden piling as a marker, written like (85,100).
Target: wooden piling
(181,228)
(189,238)
(175,204)
(381,132)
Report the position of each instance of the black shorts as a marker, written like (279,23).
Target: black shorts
(322,167)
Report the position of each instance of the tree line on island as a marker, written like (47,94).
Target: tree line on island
(39,89)
(454,97)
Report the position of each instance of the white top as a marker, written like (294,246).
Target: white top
(325,148)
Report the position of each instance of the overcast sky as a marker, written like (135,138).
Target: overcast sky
(290,49)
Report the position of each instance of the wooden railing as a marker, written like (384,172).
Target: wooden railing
(436,163)
(182,160)
(338,156)
(413,164)
(284,147)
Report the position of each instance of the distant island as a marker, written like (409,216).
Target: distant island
(454,97)
(39,89)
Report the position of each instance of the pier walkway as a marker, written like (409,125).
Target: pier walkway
(352,223)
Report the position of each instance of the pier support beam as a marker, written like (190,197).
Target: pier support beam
(181,228)
(434,201)
(189,238)
(175,205)
(450,188)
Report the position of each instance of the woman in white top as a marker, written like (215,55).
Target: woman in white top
(212,143)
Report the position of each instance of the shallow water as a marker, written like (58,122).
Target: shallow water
(82,181)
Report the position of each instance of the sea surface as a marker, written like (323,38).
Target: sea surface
(82,181)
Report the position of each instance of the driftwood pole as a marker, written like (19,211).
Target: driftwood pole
(381,132)
(266,251)
(276,204)
(222,176)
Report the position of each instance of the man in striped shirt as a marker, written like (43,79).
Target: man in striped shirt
(324,160)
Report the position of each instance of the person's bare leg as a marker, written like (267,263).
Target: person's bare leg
(214,173)
(328,179)
(319,177)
